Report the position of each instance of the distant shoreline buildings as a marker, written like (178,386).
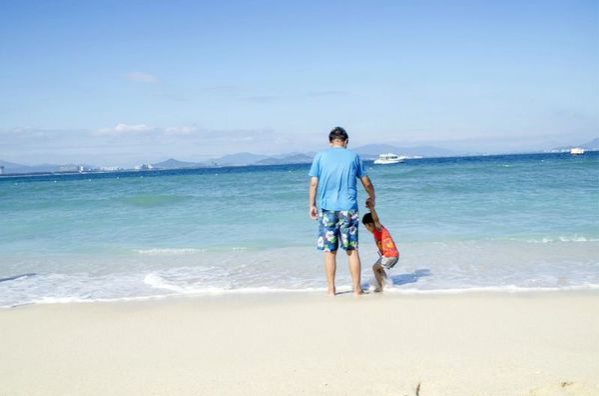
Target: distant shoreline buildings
(82,169)
(367,153)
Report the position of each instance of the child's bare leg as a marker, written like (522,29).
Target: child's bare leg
(380,275)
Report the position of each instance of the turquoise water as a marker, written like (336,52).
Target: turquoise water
(505,222)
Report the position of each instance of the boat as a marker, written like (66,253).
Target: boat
(388,158)
(576,151)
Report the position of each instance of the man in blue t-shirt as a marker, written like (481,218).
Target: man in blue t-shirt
(334,203)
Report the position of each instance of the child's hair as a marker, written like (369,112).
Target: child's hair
(367,219)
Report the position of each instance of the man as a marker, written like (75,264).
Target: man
(334,203)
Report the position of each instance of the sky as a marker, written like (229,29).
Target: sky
(124,82)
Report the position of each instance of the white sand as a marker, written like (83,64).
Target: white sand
(469,344)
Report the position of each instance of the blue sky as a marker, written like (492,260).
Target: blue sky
(119,82)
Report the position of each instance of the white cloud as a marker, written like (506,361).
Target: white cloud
(131,128)
(142,77)
(124,129)
(19,130)
(180,130)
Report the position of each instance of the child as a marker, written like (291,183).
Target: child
(387,249)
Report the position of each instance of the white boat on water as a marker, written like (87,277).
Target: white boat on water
(389,158)
(576,151)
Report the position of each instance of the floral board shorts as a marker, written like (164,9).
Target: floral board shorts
(338,227)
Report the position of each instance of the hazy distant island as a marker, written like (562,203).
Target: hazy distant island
(367,152)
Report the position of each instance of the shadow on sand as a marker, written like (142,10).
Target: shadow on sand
(403,279)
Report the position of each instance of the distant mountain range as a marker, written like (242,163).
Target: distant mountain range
(293,158)
(174,164)
(368,152)
(239,159)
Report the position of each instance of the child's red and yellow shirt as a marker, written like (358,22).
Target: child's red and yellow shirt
(385,243)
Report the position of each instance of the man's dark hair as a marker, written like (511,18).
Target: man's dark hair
(367,219)
(338,134)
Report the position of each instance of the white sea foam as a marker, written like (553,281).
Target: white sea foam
(167,252)
(425,268)
(158,282)
(183,251)
(197,288)
(574,238)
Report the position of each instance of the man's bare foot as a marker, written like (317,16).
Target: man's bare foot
(358,292)
(378,290)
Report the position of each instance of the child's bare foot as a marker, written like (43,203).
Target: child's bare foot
(332,292)
(378,290)
(358,292)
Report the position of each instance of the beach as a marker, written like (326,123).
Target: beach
(195,282)
(528,343)
(202,197)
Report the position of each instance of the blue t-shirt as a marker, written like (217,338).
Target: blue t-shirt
(337,170)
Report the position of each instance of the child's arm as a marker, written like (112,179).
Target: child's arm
(375,216)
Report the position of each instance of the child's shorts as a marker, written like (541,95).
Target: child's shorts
(387,262)
(338,227)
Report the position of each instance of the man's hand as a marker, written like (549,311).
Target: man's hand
(369,187)
(370,203)
(313,191)
(313,212)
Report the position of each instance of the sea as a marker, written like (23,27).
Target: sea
(506,223)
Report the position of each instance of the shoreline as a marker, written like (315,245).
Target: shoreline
(311,344)
(426,268)
(262,293)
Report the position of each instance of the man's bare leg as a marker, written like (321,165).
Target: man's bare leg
(381,277)
(355,268)
(330,267)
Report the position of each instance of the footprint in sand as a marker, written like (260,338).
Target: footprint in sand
(564,388)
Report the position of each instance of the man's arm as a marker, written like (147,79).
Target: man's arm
(369,187)
(375,215)
(313,190)
(370,202)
